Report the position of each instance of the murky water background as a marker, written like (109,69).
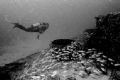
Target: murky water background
(67,18)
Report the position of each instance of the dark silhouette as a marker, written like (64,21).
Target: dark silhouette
(106,35)
(7,71)
(60,43)
(106,38)
(38,27)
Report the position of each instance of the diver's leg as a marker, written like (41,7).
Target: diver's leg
(38,36)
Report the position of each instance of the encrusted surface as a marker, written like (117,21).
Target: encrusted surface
(80,63)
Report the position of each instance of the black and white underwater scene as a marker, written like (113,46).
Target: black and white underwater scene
(59,39)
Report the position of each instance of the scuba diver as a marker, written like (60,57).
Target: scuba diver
(37,27)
